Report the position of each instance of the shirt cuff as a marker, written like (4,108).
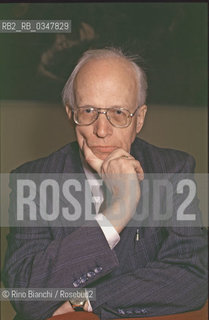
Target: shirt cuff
(109,231)
(89,306)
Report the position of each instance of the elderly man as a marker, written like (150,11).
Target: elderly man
(137,271)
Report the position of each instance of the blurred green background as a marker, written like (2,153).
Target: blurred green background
(170,37)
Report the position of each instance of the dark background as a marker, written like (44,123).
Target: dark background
(170,37)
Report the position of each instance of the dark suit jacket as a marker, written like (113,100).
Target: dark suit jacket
(162,273)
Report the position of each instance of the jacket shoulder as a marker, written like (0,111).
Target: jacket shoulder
(53,163)
(163,160)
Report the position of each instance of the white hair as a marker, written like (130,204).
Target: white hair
(68,94)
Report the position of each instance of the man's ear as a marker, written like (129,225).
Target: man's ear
(140,117)
(68,111)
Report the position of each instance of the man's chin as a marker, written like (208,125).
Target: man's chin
(102,155)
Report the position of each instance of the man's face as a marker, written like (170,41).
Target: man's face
(103,84)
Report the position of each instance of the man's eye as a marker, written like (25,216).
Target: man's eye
(89,110)
(118,112)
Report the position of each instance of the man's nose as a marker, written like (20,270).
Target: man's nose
(102,126)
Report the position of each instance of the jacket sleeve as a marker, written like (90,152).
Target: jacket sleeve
(175,281)
(53,257)
(35,260)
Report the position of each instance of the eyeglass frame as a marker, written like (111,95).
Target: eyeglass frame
(104,112)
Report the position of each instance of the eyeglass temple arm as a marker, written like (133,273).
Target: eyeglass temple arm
(132,114)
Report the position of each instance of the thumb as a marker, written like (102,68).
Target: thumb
(91,159)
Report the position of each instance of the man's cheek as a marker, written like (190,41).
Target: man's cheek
(79,133)
(79,138)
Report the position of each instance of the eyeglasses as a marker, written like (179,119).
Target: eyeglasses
(118,117)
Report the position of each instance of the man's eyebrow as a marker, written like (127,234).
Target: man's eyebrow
(86,106)
(99,107)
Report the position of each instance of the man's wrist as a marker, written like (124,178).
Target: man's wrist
(79,303)
(87,306)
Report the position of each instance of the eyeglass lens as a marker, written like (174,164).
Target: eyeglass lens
(116,116)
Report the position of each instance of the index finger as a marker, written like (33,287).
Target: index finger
(91,159)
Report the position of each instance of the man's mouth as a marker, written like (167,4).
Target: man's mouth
(103,149)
